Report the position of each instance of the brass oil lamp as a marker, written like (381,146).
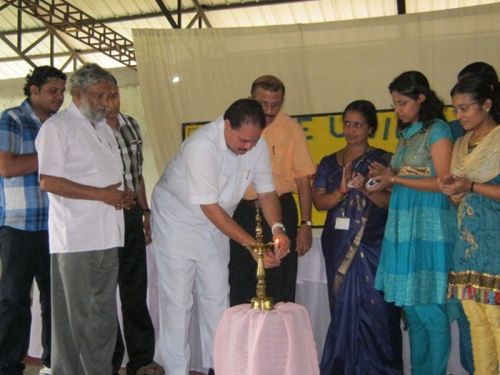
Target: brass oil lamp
(260,301)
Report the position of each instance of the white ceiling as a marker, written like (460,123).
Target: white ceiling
(310,11)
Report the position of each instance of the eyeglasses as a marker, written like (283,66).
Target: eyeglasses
(274,106)
(463,107)
(400,103)
(353,124)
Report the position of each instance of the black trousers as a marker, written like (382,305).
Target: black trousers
(24,256)
(133,282)
(280,281)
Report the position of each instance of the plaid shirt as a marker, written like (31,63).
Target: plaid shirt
(22,204)
(129,141)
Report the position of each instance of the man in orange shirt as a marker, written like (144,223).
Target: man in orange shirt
(292,168)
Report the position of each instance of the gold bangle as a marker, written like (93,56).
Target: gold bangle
(393,180)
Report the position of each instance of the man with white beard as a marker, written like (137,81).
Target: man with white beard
(81,169)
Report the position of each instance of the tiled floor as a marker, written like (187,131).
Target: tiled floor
(33,365)
(33,370)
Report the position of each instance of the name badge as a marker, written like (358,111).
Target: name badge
(342,223)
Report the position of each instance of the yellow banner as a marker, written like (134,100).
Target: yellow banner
(324,136)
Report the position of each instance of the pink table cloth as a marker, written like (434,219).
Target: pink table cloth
(254,342)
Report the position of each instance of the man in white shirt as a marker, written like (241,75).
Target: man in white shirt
(191,215)
(80,167)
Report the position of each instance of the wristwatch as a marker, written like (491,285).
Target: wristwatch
(306,222)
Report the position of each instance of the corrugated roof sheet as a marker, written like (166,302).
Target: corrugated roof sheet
(311,11)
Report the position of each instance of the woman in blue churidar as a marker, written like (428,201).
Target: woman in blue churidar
(475,186)
(477,68)
(364,335)
(488,73)
(420,231)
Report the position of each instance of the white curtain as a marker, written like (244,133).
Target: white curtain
(324,66)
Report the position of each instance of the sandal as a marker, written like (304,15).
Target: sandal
(152,369)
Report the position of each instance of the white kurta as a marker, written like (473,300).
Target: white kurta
(70,147)
(188,248)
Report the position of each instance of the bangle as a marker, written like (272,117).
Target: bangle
(393,180)
(277,225)
(472,187)
(146,210)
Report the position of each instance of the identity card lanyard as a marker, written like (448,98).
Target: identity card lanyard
(342,222)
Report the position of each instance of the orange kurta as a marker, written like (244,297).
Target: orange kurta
(289,154)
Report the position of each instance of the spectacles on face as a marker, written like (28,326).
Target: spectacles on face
(353,124)
(463,107)
(400,103)
(275,106)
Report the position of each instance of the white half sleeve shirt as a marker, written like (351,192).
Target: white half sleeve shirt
(70,147)
(204,171)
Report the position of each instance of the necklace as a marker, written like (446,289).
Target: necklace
(474,142)
(475,139)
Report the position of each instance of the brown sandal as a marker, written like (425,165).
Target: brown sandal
(152,369)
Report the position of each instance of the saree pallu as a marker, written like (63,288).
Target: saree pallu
(364,335)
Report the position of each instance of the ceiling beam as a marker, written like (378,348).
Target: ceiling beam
(167,14)
(61,16)
(69,54)
(20,53)
(142,16)
(36,42)
(401,6)
(179,13)
(201,13)
(66,18)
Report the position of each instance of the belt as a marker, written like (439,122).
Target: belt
(251,202)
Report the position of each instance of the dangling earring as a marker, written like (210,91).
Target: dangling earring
(487,109)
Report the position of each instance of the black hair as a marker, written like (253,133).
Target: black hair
(366,109)
(245,111)
(482,69)
(480,90)
(412,84)
(268,83)
(40,76)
